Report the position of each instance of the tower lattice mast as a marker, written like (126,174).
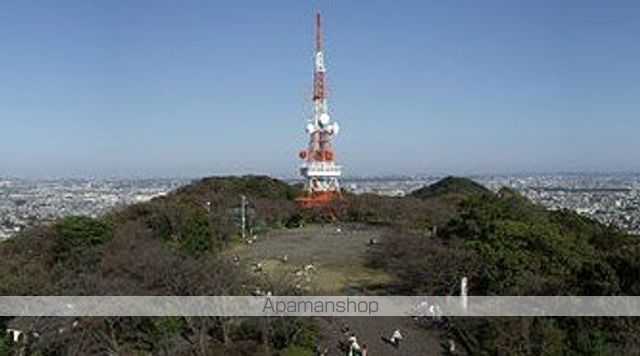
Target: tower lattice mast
(318,168)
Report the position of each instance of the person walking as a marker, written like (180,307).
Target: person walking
(395,338)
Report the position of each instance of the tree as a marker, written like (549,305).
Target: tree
(196,235)
(5,343)
(79,231)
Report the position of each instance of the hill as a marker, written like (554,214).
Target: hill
(175,245)
(170,245)
(450,185)
(507,245)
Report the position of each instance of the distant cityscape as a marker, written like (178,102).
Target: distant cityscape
(24,203)
(610,199)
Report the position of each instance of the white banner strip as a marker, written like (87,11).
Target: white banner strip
(417,306)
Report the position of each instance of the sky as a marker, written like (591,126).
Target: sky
(191,88)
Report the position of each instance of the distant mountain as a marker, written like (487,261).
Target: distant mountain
(450,185)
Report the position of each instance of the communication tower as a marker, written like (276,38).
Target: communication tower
(318,168)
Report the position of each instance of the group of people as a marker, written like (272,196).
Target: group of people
(353,348)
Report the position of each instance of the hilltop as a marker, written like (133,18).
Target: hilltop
(179,244)
(450,185)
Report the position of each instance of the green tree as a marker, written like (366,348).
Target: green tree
(80,231)
(77,250)
(5,347)
(196,234)
(546,337)
(591,342)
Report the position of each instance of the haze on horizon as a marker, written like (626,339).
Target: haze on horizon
(191,88)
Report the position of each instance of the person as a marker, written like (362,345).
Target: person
(395,338)
(352,343)
(354,347)
(356,350)
(452,346)
(320,351)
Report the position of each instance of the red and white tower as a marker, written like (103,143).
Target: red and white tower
(318,167)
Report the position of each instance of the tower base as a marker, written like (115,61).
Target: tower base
(317,199)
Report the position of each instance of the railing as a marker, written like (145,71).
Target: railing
(321,170)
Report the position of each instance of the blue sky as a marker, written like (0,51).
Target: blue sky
(190,88)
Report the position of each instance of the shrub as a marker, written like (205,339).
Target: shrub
(295,350)
(79,231)
(196,233)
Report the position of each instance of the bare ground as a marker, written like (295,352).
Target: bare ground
(337,253)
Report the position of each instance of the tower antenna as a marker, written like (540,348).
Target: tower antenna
(318,167)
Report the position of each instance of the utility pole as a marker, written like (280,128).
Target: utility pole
(243,217)
(463,293)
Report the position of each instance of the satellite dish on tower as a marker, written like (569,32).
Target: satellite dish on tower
(324,119)
(335,128)
(310,128)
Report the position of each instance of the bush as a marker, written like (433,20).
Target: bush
(295,350)
(196,234)
(287,332)
(591,342)
(166,327)
(79,231)
(77,251)
(5,342)
(249,329)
